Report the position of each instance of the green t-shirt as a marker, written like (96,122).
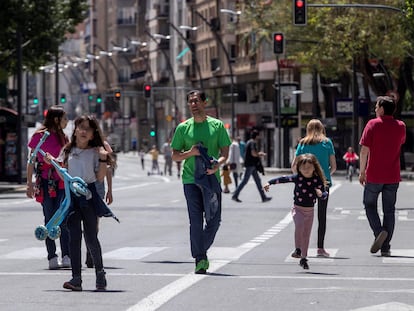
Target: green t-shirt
(211,133)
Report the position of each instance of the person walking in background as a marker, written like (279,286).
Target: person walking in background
(234,162)
(142,158)
(379,166)
(310,185)
(154,156)
(350,157)
(167,151)
(49,189)
(251,163)
(316,143)
(225,172)
(202,189)
(85,157)
(242,146)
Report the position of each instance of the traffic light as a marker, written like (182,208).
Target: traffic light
(117,95)
(35,101)
(63,98)
(152,132)
(147,91)
(299,12)
(90,98)
(278,43)
(99,99)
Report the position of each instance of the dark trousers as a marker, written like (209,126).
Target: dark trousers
(250,171)
(201,237)
(389,198)
(50,206)
(83,212)
(322,209)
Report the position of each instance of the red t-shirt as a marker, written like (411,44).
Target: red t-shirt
(384,137)
(52,145)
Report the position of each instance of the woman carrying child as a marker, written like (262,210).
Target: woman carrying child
(310,183)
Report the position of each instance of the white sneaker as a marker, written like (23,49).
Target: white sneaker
(66,262)
(54,263)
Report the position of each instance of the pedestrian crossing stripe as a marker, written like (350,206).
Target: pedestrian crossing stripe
(132,253)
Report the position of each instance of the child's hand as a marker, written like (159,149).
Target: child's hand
(318,193)
(103,154)
(266,187)
(48,158)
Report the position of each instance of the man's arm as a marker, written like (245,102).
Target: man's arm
(363,159)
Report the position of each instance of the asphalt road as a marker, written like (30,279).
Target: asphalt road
(149,266)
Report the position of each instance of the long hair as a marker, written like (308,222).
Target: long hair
(52,121)
(96,141)
(310,158)
(315,133)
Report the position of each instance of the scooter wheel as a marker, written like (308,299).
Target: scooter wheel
(54,233)
(41,233)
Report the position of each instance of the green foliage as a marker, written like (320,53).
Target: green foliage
(43,25)
(333,36)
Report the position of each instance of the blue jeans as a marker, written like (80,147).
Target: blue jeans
(50,206)
(201,237)
(250,171)
(389,197)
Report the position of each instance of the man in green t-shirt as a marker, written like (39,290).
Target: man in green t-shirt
(210,132)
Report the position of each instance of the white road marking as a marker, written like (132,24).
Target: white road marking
(132,253)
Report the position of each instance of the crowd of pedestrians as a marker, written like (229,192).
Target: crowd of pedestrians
(203,146)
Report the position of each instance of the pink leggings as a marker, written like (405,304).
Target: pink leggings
(303,219)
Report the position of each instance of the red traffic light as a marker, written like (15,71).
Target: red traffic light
(278,37)
(299,3)
(278,43)
(299,12)
(147,91)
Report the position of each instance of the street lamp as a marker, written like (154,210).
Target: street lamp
(192,49)
(170,68)
(226,53)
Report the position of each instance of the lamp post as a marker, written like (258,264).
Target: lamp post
(193,51)
(226,53)
(167,59)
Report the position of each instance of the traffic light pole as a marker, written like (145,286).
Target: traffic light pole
(279,117)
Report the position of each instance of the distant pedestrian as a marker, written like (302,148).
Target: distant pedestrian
(154,156)
(316,143)
(142,158)
(310,185)
(202,142)
(234,161)
(379,165)
(225,172)
(252,163)
(167,151)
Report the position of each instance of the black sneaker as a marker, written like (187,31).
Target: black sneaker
(379,240)
(266,199)
(304,263)
(100,280)
(236,199)
(386,253)
(296,253)
(75,285)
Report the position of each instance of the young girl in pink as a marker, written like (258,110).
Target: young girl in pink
(310,183)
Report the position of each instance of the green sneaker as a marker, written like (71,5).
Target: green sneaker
(202,266)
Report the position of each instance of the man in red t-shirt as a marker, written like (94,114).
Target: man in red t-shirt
(379,163)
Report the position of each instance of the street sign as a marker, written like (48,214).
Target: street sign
(125,121)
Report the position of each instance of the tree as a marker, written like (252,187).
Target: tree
(381,41)
(43,26)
